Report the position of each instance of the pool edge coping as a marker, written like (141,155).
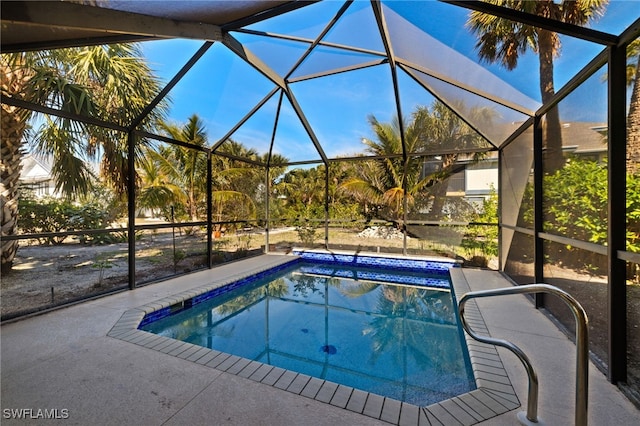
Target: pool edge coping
(494,393)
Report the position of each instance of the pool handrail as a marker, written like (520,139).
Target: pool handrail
(582,350)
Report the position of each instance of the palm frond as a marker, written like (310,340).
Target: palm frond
(359,289)
(362,190)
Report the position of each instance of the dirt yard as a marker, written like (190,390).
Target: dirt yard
(44,276)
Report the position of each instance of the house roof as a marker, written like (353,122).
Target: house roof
(35,169)
(584,138)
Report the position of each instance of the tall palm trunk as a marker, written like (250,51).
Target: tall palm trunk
(13,126)
(193,207)
(633,126)
(439,190)
(552,132)
(439,194)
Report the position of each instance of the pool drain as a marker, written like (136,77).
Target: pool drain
(329,349)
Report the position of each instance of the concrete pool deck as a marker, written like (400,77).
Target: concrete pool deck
(66,360)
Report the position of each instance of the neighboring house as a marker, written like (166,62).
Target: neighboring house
(580,139)
(585,140)
(471,181)
(36,176)
(476,181)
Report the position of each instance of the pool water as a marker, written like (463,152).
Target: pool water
(351,326)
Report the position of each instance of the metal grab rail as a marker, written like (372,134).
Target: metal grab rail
(582,352)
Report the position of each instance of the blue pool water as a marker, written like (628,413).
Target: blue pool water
(393,333)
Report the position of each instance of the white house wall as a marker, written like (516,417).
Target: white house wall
(480,181)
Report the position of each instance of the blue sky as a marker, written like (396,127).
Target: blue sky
(221,88)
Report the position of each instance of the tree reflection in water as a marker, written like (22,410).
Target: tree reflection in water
(341,325)
(275,288)
(411,314)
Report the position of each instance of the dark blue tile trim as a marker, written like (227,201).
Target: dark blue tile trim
(415,265)
(425,279)
(165,312)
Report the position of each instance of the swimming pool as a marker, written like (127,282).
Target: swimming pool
(389,330)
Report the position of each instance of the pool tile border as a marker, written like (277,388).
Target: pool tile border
(494,394)
(412,263)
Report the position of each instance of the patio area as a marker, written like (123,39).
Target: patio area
(65,361)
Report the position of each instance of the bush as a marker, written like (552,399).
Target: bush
(307,234)
(481,241)
(575,201)
(575,206)
(50,215)
(346,215)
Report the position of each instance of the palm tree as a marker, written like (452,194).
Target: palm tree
(185,168)
(157,191)
(176,175)
(633,117)
(341,206)
(112,83)
(183,172)
(381,182)
(440,129)
(236,183)
(304,190)
(502,40)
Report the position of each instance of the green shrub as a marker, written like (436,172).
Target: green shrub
(102,262)
(481,241)
(575,206)
(346,215)
(50,215)
(575,201)
(307,234)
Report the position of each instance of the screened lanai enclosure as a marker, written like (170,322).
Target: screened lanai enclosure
(150,139)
